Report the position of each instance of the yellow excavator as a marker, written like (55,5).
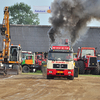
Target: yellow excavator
(11,54)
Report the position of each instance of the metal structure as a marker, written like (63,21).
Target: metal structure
(11,54)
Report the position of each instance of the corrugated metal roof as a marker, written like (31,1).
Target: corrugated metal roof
(91,39)
(35,38)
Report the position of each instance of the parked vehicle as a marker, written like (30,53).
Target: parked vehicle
(87,60)
(28,62)
(10,57)
(40,59)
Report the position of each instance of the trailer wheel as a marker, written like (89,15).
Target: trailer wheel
(95,71)
(81,67)
(25,69)
(70,77)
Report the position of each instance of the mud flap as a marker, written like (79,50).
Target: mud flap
(76,72)
(44,70)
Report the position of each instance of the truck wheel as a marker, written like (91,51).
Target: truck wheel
(25,69)
(76,72)
(81,67)
(50,77)
(70,77)
(95,71)
(99,69)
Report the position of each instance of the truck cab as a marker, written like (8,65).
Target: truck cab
(60,62)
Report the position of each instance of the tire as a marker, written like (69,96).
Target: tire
(87,71)
(19,69)
(50,77)
(81,67)
(25,69)
(99,69)
(70,77)
(76,72)
(95,71)
(76,64)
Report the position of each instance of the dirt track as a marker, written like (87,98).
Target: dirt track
(34,87)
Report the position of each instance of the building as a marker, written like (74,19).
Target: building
(35,38)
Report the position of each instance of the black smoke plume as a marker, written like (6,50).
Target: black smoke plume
(70,17)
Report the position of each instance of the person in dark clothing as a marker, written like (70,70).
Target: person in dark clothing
(14,55)
(14,52)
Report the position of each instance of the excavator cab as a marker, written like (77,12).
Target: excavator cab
(13,67)
(15,53)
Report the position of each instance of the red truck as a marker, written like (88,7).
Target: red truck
(87,60)
(60,63)
(39,60)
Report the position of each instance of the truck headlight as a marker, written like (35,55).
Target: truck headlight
(69,72)
(50,71)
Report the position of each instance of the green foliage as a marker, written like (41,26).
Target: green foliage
(22,14)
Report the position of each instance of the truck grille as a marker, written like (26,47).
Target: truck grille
(93,61)
(59,65)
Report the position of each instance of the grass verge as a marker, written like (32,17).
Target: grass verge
(89,75)
(36,73)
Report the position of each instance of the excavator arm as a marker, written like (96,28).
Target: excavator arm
(6,36)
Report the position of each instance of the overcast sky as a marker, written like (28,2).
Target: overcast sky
(44,18)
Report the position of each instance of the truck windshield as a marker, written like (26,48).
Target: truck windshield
(24,54)
(28,57)
(87,52)
(60,56)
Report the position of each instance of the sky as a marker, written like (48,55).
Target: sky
(44,18)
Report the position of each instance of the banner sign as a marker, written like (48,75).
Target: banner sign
(41,9)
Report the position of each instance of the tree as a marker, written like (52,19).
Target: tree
(22,14)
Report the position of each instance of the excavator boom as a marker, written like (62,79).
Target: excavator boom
(6,35)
